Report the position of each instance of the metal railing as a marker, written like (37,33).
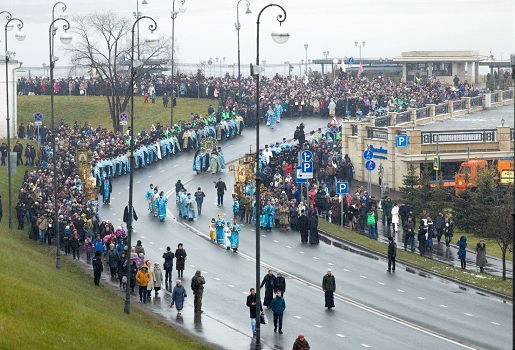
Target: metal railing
(476,101)
(382,121)
(422,113)
(442,109)
(377,133)
(458,136)
(403,117)
(507,95)
(494,97)
(458,105)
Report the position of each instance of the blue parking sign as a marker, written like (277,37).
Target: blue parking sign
(342,188)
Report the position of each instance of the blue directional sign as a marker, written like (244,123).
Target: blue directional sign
(38,117)
(368,154)
(307,167)
(351,60)
(306,156)
(370,165)
(342,188)
(401,140)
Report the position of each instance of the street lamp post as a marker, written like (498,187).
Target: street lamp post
(66,38)
(152,41)
(20,36)
(238,27)
(174,14)
(326,54)
(137,15)
(360,45)
(280,36)
(220,60)
(306,47)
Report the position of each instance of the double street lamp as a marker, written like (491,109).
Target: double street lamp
(360,45)
(306,47)
(66,39)
(326,54)
(220,60)
(137,15)
(152,41)
(238,27)
(174,14)
(20,36)
(280,35)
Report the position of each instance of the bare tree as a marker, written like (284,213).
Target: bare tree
(104,44)
(500,226)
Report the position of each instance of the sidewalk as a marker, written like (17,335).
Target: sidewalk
(439,252)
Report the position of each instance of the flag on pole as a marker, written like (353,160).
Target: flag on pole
(344,68)
(239,79)
(361,69)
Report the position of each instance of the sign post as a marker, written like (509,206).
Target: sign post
(341,189)
(369,165)
(123,121)
(38,117)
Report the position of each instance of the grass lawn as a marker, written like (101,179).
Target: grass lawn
(95,110)
(492,248)
(489,282)
(44,308)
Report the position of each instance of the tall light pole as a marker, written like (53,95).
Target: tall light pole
(152,41)
(63,15)
(137,15)
(306,47)
(20,36)
(360,45)
(326,54)
(220,60)
(66,38)
(238,27)
(280,36)
(174,14)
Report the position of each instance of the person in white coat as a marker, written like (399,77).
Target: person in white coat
(157,277)
(227,235)
(395,217)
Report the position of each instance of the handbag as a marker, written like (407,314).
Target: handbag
(263,319)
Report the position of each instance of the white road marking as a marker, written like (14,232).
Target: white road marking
(263,235)
(363,276)
(138,182)
(365,345)
(298,317)
(243,141)
(192,266)
(276,241)
(495,323)
(176,165)
(381,283)
(443,305)
(252,230)
(470,315)
(315,258)
(204,272)
(162,171)
(150,176)
(400,290)
(230,285)
(246,293)
(318,326)
(161,249)
(301,252)
(288,247)
(216,278)
(121,220)
(142,236)
(119,193)
(421,298)
(346,270)
(151,242)
(114,213)
(127,187)
(340,335)
(330,264)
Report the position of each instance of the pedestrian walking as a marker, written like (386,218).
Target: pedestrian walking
(481,255)
(143,278)
(392,253)
(227,235)
(313,227)
(178,296)
(180,256)
(329,287)
(235,236)
(300,343)
(98,267)
(126,216)
(168,265)
(221,187)
(112,258)
(199,198)
(121,270)
(462,251)
(303,224)
(148,197)
(161,203)
(269,283)
(212,230)
(197,286)
(280,284)
(251,303)
(409,233)
(107,188)
(157,276)
(278,306)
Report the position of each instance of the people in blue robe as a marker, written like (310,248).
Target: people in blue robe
(219,225)
(148,197)
(190,206)
(278,109)
(107,188)
(221,157)
(235,207)
(235,236)
(183,208)
(161,202)
(268,213)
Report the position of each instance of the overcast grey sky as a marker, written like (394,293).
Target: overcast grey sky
(207,29)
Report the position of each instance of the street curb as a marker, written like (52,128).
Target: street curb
(330,239)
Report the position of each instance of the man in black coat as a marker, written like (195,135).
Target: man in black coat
(269,281)
(168,265)
(126,216)
(251,303)
(392,253)
(280,284)
(98,267)
(303,225)
(221,187)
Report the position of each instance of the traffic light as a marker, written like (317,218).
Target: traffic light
(291,68)
(436,163)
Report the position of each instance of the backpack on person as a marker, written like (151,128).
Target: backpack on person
(194,284)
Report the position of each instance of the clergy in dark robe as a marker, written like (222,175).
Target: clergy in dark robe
(303,224)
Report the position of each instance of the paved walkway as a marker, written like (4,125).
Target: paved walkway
(440,252)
